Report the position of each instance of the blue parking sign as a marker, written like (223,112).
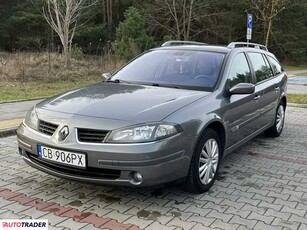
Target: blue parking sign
(249,26)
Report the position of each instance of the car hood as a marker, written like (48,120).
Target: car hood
(122,101)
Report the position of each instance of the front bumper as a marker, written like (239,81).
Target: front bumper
(114,164)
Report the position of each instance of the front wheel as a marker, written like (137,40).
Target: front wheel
(277,128)
(205,163)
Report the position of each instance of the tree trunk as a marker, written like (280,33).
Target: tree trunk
(268,33)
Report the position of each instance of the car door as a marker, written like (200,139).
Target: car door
(267,88)
(241,109)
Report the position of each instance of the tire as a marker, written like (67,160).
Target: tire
(277,128)
(204,163)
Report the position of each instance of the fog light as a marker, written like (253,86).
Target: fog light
(136,178)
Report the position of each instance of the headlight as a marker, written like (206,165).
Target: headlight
(143,133)
(31,119)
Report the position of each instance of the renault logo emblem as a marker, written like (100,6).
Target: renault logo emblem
(63,133)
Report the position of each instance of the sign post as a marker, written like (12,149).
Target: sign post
(249,27)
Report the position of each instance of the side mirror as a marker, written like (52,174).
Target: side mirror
(106,76)
(242,88)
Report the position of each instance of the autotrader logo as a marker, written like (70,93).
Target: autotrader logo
(63,133)
(24,224)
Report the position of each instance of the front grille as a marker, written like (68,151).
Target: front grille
(47,128)
(97,173)
(91,135)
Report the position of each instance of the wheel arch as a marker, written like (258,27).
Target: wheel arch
(284,100)
(219,128)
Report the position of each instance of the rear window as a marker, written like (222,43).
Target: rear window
(261,66)
(180,68)
(275,65)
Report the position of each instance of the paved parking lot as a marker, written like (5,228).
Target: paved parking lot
(260,186)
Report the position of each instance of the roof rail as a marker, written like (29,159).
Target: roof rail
(233,45)
(180,43)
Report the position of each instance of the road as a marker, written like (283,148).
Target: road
(296,72)
(263,185)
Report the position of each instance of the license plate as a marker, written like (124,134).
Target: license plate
(60,156)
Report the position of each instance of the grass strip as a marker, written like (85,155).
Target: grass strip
(297,98)
(34,90)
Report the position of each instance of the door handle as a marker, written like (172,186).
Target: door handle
(257,97)
(276,88)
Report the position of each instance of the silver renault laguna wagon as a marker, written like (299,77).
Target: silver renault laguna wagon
(172,113)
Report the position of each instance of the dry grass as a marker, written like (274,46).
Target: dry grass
(49,67)
(37,75)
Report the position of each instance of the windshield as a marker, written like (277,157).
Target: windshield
(174,68)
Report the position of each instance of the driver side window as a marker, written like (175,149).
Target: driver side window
(239,71)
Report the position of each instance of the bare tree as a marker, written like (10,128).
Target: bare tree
(176,17)
(63,17)
(108,12)
(268,10)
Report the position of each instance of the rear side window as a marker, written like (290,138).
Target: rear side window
(275,65)
(261,66)
(239,71)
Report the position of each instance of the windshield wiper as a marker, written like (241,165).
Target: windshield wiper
(118,81)
(165,85)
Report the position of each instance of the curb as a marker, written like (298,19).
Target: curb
(8,132)
(21,100)
(297,105)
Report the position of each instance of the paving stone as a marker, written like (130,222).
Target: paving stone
(69,223)
(255,216)
(33,213)
(299,219)
(248,201)
(298,212)
(303,227)
(176,222)
(209,198)
(201,227)
(206,221)
(196,210)
(156,225)
(175,213)
(16,207)
(118,207)
(158,208)
(222,216)
(281,214)
(240,213)
(233,204)
(219,208)
(4,202)
(117,216)
(243,221)
(290,224)
(293,193)
(142,223)
(11,215)
(164,219)
(260,226)
(95,220)
(179,206)
(290,204)
(222,225)
(259,210)
(265,204)
(98,210)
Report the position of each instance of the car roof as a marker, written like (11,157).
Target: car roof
(198,46)
(220,49)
